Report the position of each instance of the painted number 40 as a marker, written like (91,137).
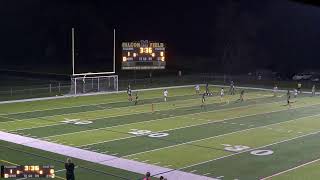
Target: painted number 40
(148,133)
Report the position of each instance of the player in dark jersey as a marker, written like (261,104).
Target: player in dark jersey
(137,98)
(232,90)
(207,88)
(129,92)
(288,97)
(69,166)
(203,101)
(241,95)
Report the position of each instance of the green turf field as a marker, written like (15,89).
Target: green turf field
(223,138)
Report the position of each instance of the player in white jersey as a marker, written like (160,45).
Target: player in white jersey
(313,90)
(197,87)
(295,93)
(275,90)
(165,95)
(221,94)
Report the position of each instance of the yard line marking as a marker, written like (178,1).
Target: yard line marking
(9,162)
(104,142)
(140,122)
(213,137)
(48,125)
(161,119)
(145,161)
(193,171)
(114,154)
(251,149)
(211,122)
(206,174)
(94,104)
(190,99)
(154,163)
(291,169)
(220,177)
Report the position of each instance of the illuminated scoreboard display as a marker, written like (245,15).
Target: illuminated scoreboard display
(45,171)
(143,55)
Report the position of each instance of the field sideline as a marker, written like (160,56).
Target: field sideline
(259,138)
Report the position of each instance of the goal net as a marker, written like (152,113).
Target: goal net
(94,84)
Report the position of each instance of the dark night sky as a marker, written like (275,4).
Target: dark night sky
(225,35)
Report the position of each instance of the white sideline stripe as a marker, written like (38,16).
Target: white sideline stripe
(279,142)
(208,122)
(129,165)
(213,137)
(160,119)
(291,169)
(92,94)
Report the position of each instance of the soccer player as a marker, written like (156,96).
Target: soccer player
(275,90)
(129,92)
(137,97)
(207,88)
(197,87)
(241,95)
(299,87)
(221,94)
(69,166)
(313,90)
(203,101)
(288,97)
(231,90)
(295,93)
(165,95)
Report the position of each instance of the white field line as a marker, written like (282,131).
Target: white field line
(291,169)
(167,130)
(99,158)
(71,96)
(160,119)
(102,109)
(131,114)
(221,135)
(279,142)
(119,108)
(183,127)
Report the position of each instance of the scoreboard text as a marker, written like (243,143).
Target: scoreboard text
(46,171)
(143,55)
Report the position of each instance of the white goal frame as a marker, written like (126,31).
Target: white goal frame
(75,79)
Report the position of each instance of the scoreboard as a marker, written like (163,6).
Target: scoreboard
(143,55)
(27,171)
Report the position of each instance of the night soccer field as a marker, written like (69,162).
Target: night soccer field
(260,138)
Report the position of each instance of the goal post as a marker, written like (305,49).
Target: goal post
(94,84)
